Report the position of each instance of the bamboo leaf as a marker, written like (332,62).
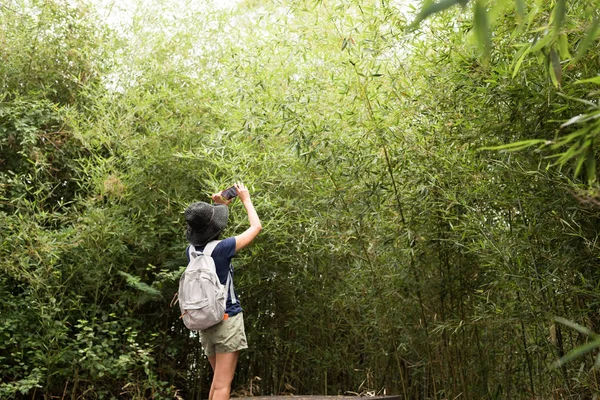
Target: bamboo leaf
(517,145)
(520,7)
(496,10)
(136,283)
(578,134)
(558,14)
(574,120)
(579,164)
(595,79)
(581,118)
(563,46)
(482,29)
(574,325)
(537,45)
(430,8)
(578,352)
(590,36)
(590,166)
(344,43)
(569,154)
(555,68)
(584,101)
(520,56)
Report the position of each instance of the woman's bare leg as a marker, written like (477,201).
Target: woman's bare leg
(224,368)
(213,361)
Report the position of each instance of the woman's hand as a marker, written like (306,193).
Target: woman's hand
(243,192)
(217,198)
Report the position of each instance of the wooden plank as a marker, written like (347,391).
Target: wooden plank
(321,398)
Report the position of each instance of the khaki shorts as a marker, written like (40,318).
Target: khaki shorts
(228,336)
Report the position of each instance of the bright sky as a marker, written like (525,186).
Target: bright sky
(119,13)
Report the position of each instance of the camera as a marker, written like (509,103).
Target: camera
(229,193)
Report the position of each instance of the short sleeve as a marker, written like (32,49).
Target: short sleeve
(225,249)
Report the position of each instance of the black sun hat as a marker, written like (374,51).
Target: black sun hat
(205,222)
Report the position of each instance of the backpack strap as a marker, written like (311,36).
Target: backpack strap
(229,284)
(191,252)
(208,249)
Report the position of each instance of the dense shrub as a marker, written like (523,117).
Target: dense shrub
(429,227)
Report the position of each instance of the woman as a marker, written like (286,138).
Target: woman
(222,342)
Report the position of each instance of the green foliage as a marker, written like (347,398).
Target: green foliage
(50,49)
(428,192)
(551,45)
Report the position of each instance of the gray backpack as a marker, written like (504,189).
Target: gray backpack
(202,297)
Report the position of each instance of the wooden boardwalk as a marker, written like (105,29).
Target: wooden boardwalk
(321,398)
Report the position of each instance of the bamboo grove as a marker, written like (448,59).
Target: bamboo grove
(426,177)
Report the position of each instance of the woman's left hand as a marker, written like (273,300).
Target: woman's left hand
(218,199)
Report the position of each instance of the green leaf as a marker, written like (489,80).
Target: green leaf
(578,352)
(591,35)
(572,152)
(520,56)
(590,166)
(137,284)
(496,10)
(584,101)
(517,145)
(595,79)
(581,118)
(574,325)
(482,29)
(558,14)
(520,7)
(574,120)
(537,45)
(344,43)
(555,68)
(430,8)
(563,46)
(579,164)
